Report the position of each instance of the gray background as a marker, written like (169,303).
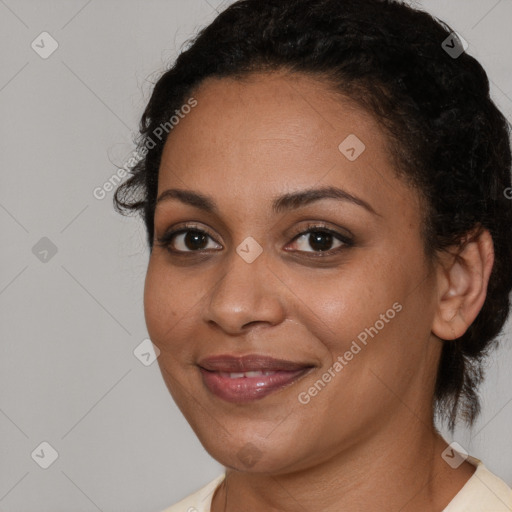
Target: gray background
(70,321)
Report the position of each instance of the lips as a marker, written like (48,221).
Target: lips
(248,363)
(247,378)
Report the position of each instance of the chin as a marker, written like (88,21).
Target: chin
(252,455)
(249,458)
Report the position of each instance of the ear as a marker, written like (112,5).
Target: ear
(462,278)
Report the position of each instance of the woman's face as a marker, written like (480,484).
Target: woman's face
(336,284)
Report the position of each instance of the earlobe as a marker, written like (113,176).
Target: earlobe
(463,276)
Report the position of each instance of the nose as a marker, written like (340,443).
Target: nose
(248,293)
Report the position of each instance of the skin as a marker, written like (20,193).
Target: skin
(366,441)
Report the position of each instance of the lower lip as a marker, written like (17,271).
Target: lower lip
(248,389)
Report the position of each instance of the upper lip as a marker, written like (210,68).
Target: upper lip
(251,362)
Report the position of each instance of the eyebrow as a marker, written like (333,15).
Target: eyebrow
(286,202)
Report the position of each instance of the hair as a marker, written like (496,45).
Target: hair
(448,139)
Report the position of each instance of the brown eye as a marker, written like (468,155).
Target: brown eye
(186,240)
(317,240)
(194,240)
(321,240)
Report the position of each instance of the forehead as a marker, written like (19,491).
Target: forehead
(273,133)
(281,107)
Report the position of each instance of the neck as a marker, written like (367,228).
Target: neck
(400,468)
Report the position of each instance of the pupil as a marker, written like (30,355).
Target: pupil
(192,238)
(316,240)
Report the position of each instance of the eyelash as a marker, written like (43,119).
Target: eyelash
(166,239)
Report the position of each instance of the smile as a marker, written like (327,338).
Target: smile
(256,378)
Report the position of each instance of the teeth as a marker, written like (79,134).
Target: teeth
(255,374)
(240,375)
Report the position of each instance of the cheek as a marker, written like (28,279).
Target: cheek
(167,313)
(382,343)
(339,304)
(156,309)
(165,304)
(375,317)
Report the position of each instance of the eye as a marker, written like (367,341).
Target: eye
(321,240)
(187,239)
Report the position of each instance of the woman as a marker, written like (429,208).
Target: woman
(323,186)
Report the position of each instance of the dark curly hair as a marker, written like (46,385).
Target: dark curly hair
(448,139)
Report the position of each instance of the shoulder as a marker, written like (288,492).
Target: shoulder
(483,492)
(200,501)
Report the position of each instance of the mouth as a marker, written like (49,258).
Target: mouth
(248,378)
